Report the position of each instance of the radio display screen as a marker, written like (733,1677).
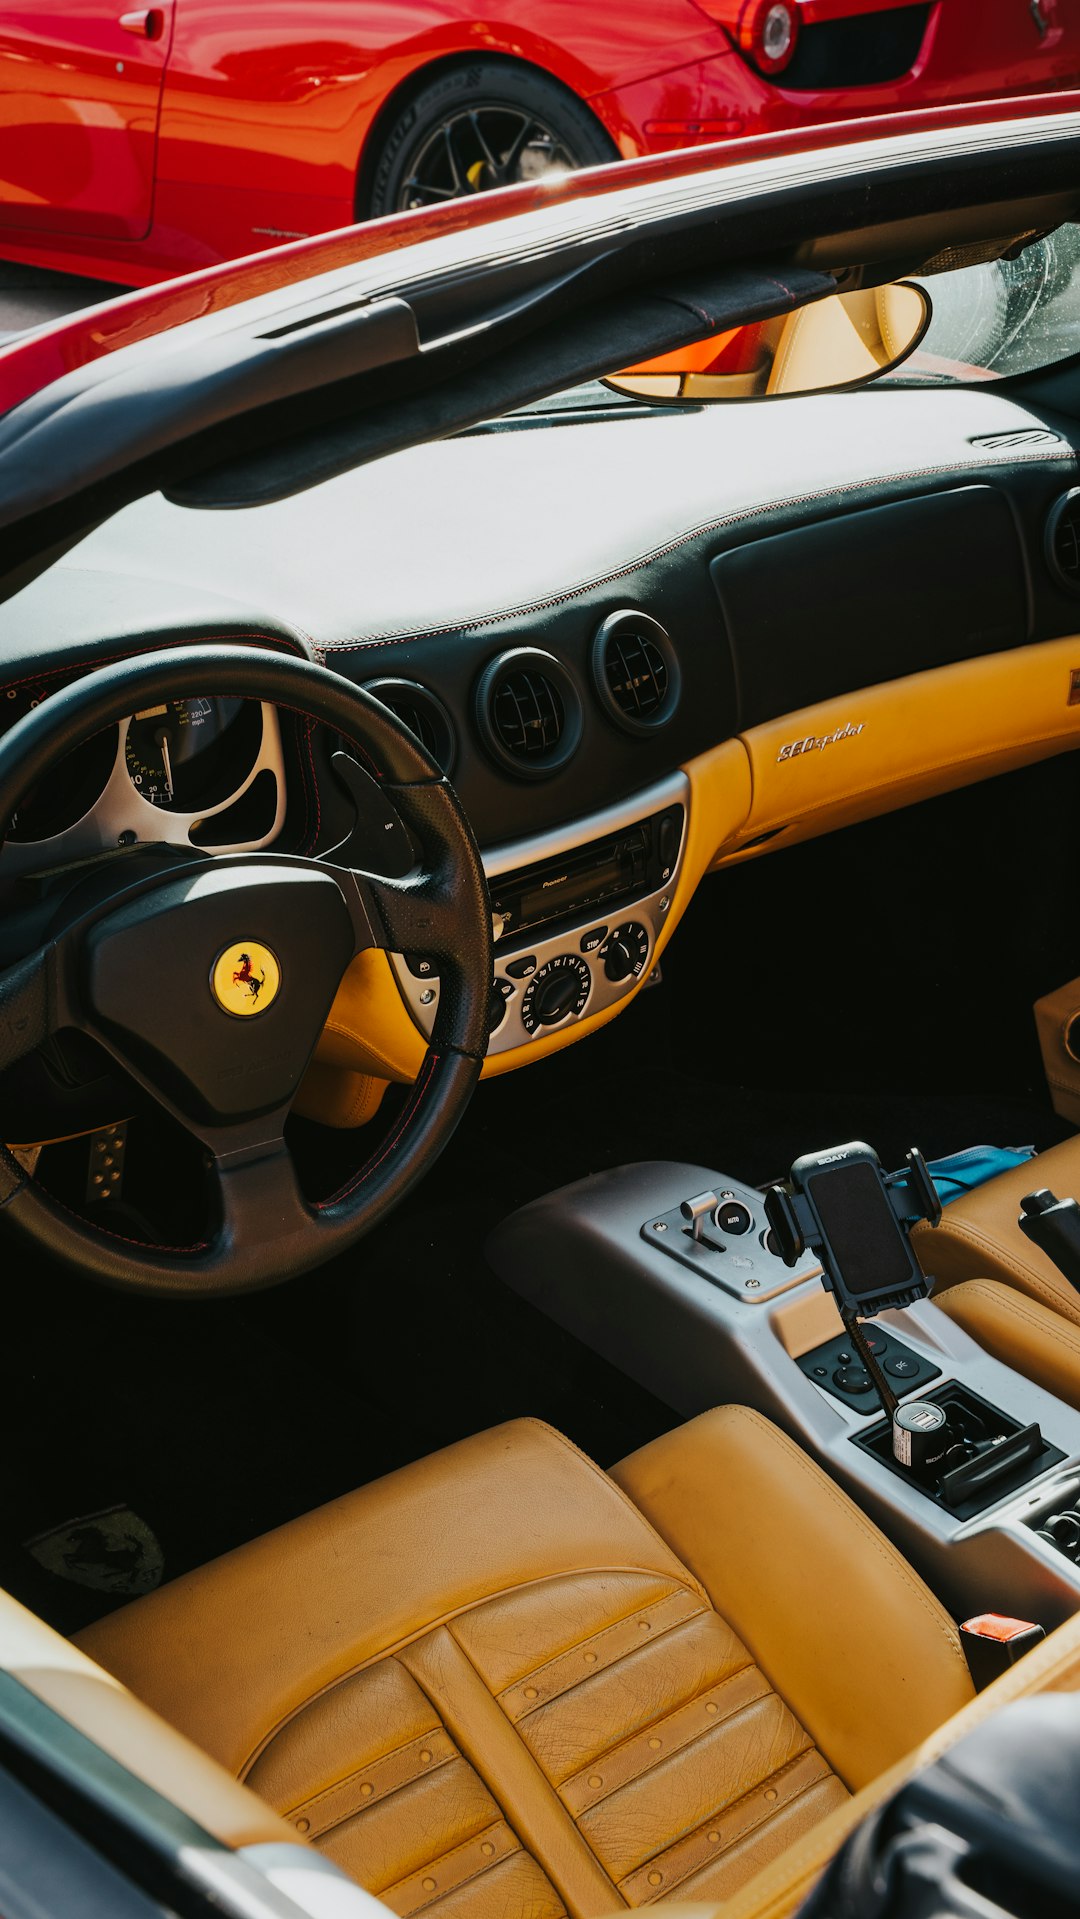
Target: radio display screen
(570,888)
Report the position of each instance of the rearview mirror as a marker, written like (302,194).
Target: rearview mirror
(840,341)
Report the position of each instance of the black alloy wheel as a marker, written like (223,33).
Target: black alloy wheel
(489,124)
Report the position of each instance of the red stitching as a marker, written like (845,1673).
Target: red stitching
(466,625)
(313,794)
(405,1119)
(185,639)
(100,1232)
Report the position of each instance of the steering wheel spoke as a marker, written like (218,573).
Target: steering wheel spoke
(258,1201)
(210,982)
(29,1012)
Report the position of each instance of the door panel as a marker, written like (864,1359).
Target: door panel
(80,93)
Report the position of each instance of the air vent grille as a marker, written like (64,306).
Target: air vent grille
(1063,540)
(528,716)
(635,670)
(425,716)
(529,712)
(637,674)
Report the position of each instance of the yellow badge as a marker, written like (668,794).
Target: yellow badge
(245,979)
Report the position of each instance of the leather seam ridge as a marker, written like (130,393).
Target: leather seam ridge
(877,1540)
(683,1575)
(812,1786)
(840,491)
(441,1858)
(725,1810)
(675,1752)
(1005,1301)
(982,1242)
(358,1772)
(591,1640)
(423,1632)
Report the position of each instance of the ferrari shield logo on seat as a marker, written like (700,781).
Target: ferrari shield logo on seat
(245,979)
(111,1552)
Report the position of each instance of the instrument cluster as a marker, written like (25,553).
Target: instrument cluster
(198,772)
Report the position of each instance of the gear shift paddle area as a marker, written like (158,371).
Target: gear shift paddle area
(856,1220)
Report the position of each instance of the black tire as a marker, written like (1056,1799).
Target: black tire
(474,127)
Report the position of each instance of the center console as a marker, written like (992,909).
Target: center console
(677,1275)
(576,916)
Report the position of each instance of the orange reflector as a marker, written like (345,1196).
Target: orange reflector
(995,1625)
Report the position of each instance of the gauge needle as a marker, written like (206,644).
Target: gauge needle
(166,762)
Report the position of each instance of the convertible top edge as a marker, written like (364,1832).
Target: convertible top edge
(433,313)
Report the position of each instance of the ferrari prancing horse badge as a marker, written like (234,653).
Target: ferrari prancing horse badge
(245,979)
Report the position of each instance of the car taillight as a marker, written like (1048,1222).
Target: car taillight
(766,33)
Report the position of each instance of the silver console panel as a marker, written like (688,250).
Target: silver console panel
(575,947)
(738,1260)
(591,1258)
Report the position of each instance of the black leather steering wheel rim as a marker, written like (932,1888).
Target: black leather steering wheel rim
(443,907)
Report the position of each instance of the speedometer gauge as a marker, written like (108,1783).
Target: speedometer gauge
(186,755)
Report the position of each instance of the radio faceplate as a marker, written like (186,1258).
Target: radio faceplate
(576,914)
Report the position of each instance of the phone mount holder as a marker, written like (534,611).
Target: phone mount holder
(855,1219)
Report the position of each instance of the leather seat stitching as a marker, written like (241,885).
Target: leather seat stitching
(431,1626)
(675,1752)
(579,1645)
(1014,1260)
(784,1879)
(877,1540)
(611,1485)
(441,1859)
(728,1806)
(695,1872)
(1006,1301)
(360,1772)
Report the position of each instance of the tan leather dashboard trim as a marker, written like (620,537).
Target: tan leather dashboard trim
(864,753)
(885,747)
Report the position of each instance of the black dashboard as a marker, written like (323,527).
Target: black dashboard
(571,609)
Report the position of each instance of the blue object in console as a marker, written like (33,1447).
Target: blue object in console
(958,1173)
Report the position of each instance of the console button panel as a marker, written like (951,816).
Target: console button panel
(837,1369)
(729,1249)
(550,943)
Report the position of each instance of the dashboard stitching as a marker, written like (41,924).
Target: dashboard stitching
(110,659)
(683,539)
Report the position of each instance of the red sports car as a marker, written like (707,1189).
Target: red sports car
(138,144)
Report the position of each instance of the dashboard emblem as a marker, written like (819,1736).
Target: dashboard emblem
(245,979)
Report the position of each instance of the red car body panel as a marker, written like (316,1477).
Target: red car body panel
(136,158)
(33,362)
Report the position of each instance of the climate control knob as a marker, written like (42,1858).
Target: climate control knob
(625,952)
(559,988)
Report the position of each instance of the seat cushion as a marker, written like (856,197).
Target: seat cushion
(979,1238)
(486,1684)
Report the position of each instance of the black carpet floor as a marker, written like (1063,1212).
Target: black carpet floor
(846,991)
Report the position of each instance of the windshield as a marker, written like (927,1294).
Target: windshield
(989,319)
(1000,316)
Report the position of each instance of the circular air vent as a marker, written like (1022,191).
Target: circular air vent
(425,716)
(1063,540)
(528,712)
(636,672)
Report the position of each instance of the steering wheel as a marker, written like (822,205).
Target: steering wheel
(209,978)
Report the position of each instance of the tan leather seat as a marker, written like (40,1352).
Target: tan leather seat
(998,1286)
(502,1682)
